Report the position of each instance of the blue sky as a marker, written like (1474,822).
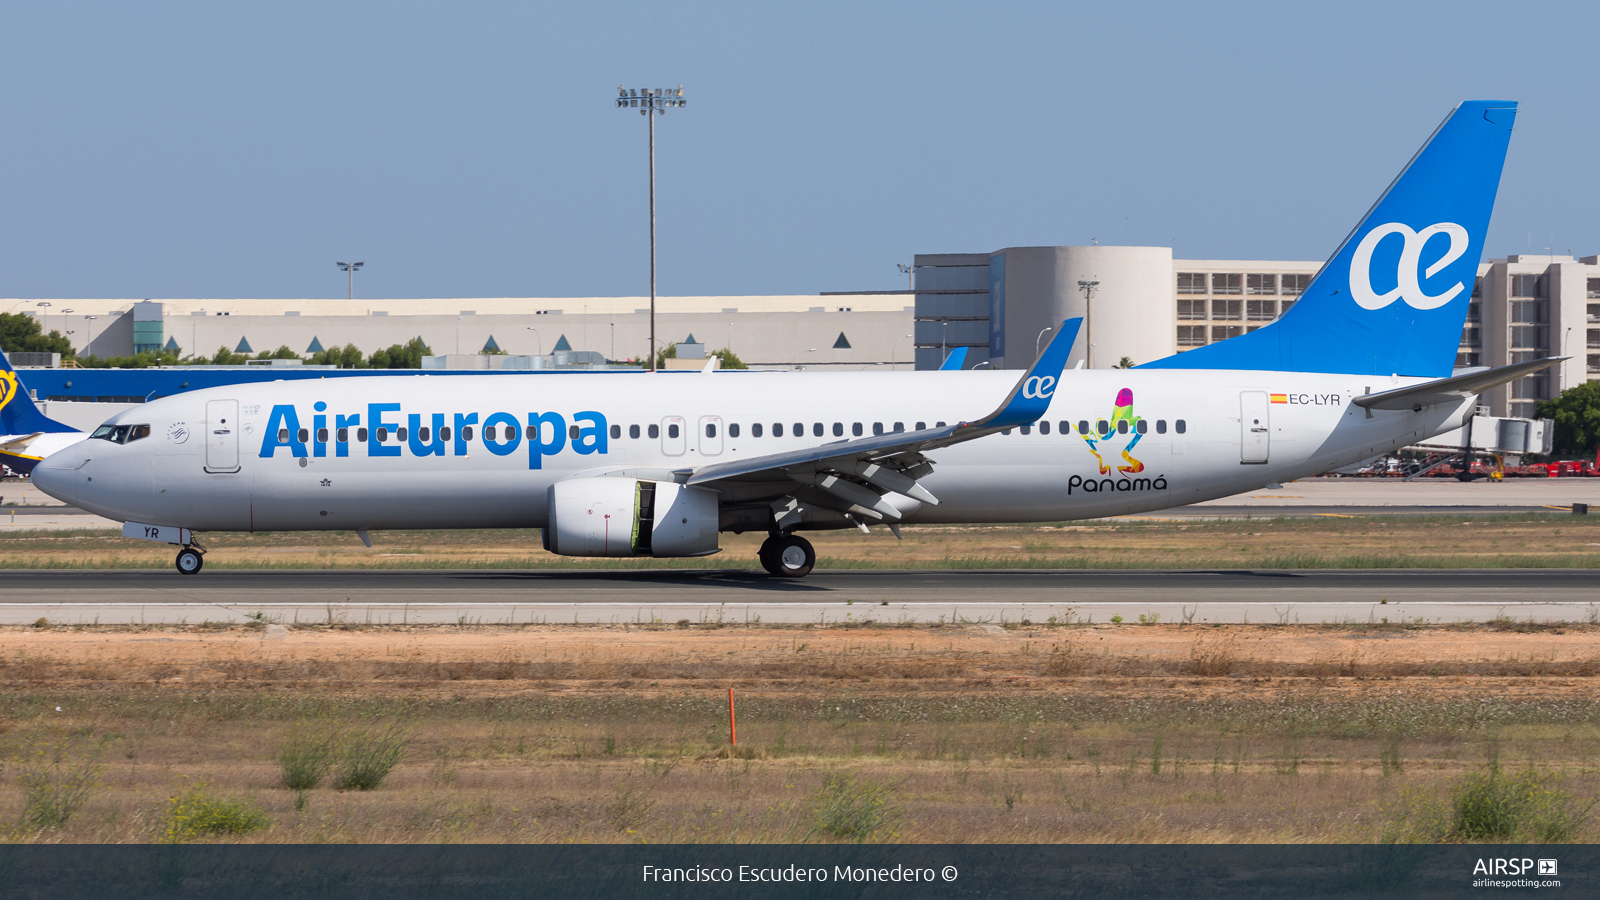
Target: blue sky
(239,150)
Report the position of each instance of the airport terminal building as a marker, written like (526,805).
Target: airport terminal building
(1139,304)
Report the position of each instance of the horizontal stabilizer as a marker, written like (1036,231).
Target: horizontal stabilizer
(1454,389)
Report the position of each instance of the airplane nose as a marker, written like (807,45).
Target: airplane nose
(55,475)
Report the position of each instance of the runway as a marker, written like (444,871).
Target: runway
(487,597)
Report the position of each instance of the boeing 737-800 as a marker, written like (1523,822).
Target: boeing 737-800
(624,464)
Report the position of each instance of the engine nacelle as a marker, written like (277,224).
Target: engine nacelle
(627,517)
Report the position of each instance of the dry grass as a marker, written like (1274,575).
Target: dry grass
(1166,733)
(1525,540)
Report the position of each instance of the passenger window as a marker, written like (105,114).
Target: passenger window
(616,432)
(777,429)
(344,435)
(1122,426)
(283,436)
(444,433)
(361,435)
(322,435)
(672,431)
(711,430)
(755,430)
(422,435)
(733,430)
(800,429)
(816,429)
(1141,426)
(572,432)
(383,435)
(1006,432)
(1180,426)
(1027,429)
(466,432)
(1083,426)
(303,435)
(400,433)
(921,425)
(633,431)
(1161,426)
(938,424)
(899,426)
(838,429)
(1065,426)
(1102,427)
(1044,427)
(655,431)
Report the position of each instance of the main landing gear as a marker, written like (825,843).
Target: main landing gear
(788,556)
(191,558)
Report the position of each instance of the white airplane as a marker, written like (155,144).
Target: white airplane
(625,464)
(27,435)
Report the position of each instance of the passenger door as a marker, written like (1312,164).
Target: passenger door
(1255,427)
(673,440)
(222,436)
(710,435)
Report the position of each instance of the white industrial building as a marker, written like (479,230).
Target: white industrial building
(1139,304)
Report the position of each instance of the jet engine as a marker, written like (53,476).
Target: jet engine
(611,516)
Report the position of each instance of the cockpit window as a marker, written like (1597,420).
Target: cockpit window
(121,434)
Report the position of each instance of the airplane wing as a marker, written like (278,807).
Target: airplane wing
(851,476)
(1453,389)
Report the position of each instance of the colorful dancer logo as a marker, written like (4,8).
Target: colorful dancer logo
(1123,423)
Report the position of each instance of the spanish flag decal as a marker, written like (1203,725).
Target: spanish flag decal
(1280,398)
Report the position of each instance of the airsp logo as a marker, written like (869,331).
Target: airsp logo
(8,387)
(1407,285)
(1039,387)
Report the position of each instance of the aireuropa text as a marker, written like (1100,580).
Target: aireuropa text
(767,874)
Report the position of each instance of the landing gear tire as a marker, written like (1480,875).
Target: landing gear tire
(788,556)
(190,561)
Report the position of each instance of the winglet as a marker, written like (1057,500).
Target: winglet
(1031,396)
(956,359)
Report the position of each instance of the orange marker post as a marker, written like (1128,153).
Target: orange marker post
(733,731)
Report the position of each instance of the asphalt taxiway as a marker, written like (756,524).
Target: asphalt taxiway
(741,596)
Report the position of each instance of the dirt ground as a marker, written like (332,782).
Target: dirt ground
(1102,733)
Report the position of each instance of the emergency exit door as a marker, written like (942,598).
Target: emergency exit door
(222,436)
(1255,427)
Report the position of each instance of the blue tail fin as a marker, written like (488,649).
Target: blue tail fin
(18,415)
(954,361)
(1393,298)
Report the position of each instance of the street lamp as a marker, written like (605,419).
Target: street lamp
(1088,288)
(894,352)
(351,268)
(646,100)
(89,345)
(800,354)
(1038,339)
(540,338)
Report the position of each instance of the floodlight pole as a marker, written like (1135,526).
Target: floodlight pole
(351,268)
(650,100)
(1088,288)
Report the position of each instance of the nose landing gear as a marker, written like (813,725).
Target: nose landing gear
(787,556)
(190,559)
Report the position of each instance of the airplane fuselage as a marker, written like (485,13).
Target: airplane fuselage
(355,454)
